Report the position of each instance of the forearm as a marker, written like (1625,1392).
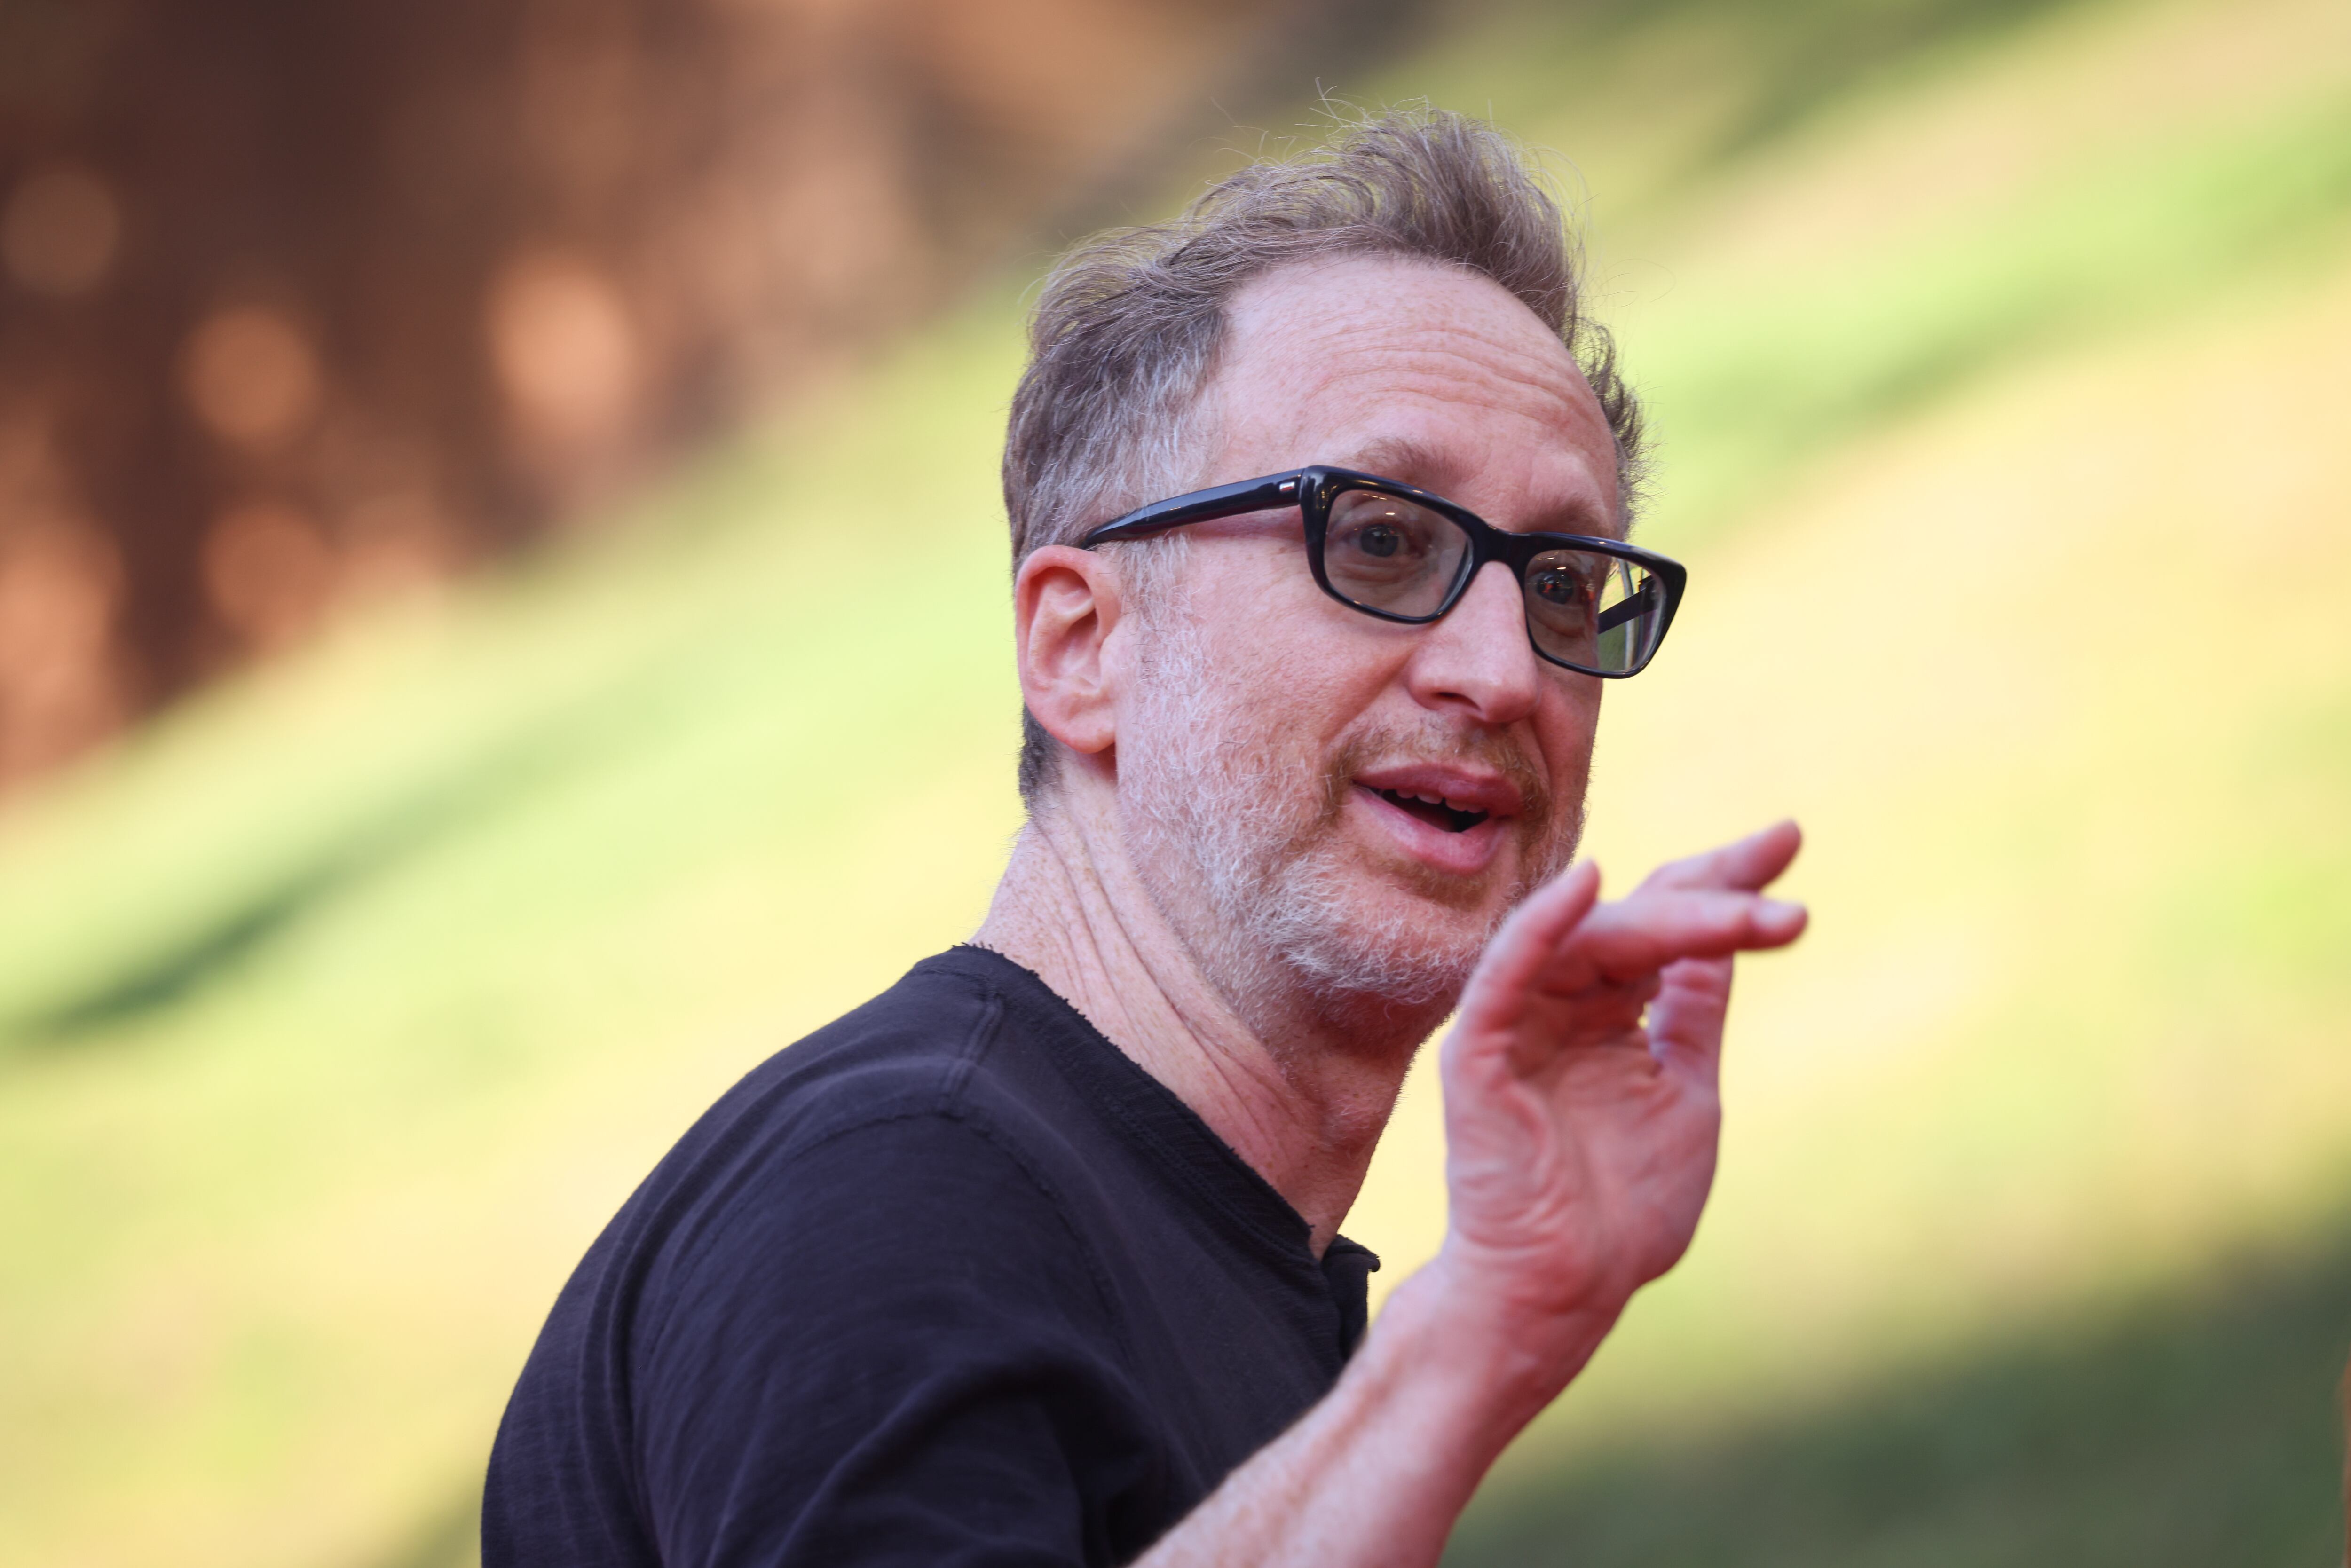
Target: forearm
(1378,1471)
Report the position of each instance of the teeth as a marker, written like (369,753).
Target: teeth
(1439,801)
(1427,800)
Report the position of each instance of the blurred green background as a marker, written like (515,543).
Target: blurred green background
(2000,358)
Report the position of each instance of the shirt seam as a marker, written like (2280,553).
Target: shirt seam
(956,1106)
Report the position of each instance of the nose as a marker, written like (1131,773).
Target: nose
(1476,662)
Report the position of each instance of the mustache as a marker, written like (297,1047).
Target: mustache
(1437,741)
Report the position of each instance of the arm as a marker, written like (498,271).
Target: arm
(1580,1147)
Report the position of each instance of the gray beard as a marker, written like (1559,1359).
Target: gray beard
(1221,817)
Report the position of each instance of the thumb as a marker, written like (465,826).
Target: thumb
(1513,961)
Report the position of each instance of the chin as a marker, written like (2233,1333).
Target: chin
(1382,943)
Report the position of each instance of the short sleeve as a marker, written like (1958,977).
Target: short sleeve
(889,1348)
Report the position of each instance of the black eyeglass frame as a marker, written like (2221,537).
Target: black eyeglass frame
(1312,489)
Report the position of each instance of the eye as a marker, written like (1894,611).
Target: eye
(1394,538)
(1557,585)
(1385,554)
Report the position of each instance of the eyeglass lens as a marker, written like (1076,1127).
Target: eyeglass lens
(1598,612)
(1388,554)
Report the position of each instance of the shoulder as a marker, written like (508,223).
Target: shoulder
(859,1263)
(920,1144)
(913,1047)
(930,1116)
(912,1051)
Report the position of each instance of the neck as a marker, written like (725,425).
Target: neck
(1299,1087)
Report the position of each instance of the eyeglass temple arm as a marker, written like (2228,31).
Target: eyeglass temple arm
(1199,507)
(1617,614)
(1632,606)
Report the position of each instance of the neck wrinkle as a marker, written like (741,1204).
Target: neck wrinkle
(1303,1107)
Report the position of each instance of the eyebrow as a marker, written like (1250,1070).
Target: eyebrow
(1402,457)
(1427,468)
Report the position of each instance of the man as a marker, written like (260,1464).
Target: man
(1318,524)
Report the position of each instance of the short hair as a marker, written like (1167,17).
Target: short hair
(1127,326)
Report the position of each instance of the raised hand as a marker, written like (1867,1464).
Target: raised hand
(1580,1100)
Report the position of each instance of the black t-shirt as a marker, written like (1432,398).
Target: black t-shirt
(950,1281)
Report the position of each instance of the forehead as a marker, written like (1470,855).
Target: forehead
(1385,362)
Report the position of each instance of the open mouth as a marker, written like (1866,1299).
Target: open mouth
(1434,811)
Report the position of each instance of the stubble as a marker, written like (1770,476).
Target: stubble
(1236,832)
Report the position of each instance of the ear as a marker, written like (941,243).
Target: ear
(1065,604)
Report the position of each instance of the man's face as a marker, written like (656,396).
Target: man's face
(1361,799)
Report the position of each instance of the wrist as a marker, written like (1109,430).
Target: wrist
(1486,1364)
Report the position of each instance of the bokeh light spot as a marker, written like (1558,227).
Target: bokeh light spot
(60,591)
(60,230)
(564,349)
(268,571)
(251,375)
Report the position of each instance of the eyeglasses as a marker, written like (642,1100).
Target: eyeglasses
(1388,549)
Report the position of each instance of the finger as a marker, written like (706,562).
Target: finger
(1642,934)
(1602,1007)
(1686,1020)
(1749,864)
(1525,946)
(1607,1003)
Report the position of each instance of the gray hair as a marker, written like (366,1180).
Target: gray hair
(1126,329)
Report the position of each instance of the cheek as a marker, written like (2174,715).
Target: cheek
(1260,627)
(1566,728)
(1294,672)
(1272,691)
